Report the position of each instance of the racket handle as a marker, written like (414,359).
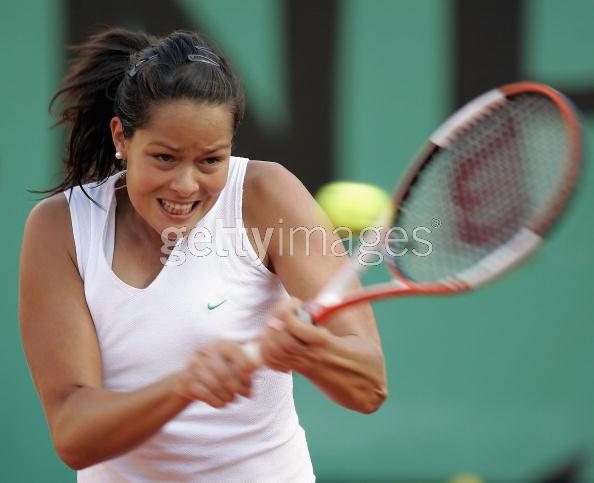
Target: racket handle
(304,315)
(252,348)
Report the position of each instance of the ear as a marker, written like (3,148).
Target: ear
(117,135)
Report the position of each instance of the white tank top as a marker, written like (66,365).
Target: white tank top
(146,334)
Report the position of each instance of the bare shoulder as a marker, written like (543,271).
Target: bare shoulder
(271,186)
(49,221)
(263,177)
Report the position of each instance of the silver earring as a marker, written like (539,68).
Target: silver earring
(118,155)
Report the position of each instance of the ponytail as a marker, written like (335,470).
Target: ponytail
(87,99)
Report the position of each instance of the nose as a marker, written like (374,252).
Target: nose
(185,183)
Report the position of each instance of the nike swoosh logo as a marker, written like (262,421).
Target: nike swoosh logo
(214,306)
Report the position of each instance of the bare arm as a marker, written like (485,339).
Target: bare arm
(88,423)
(344,357)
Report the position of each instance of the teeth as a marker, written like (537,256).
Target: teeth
(176,208)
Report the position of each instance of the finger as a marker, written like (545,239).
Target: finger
(307,333)
(234,368)
(272,356)
(276,365)
(281,347)
(200,392)
(288,351)
(284,338)
(293,354)
(212,375)
(239,372)
(241,362)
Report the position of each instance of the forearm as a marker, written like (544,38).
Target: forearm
(350,372)
(96,424)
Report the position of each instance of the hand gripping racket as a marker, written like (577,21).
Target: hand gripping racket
(488,186)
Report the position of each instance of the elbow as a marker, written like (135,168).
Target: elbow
(70,459)
(73,463)
(70,455)
(373,400)
(374,392)
(70,450)
(367,398)
(67,435)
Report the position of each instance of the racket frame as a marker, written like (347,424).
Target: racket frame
(518,249)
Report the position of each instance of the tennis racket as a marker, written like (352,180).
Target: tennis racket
(488,185)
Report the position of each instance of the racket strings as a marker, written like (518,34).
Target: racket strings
(472,197)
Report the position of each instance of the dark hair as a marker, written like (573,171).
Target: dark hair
(122,73)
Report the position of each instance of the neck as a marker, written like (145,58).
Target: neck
(136,228)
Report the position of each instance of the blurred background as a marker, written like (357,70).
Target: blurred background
(497,384)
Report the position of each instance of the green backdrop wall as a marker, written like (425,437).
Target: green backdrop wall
(500,382)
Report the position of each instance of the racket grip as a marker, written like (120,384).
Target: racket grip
(252,350)
(304,316)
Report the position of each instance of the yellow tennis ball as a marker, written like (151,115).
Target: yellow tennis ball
(466,478)
(353,205)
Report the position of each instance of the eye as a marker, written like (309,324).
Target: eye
(211,161)
(167,158)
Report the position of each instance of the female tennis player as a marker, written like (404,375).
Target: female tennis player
(134,333)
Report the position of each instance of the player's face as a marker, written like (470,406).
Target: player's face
(177,165)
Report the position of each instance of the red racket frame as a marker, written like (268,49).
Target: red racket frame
(399,285)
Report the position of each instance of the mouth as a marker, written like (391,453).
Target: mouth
(178,211)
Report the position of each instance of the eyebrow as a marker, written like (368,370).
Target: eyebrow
(179,150)
(171,148)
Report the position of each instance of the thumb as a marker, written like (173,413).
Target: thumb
(304,330)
